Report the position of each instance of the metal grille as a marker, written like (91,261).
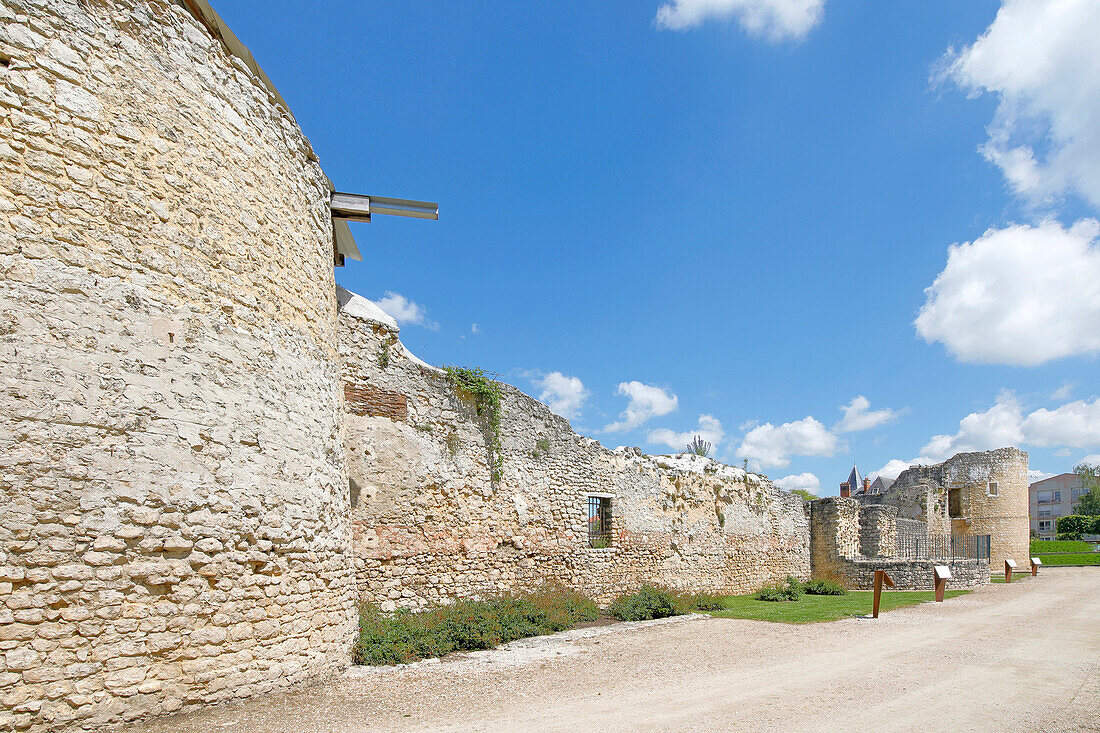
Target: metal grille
(942,546)
(599,521)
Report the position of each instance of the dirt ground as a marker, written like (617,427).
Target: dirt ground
(1024,656)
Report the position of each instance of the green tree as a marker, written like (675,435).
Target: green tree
(806,495)
(1090,480)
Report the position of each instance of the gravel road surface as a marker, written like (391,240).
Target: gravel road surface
(1024,656)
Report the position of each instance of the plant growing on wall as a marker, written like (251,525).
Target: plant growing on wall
(486,393)
(384,351)
(699,447)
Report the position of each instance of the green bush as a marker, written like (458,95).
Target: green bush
(707,602)
(648,602)
(405,636)
(1068,536)
(788,590)
(822,587)
(1077,524)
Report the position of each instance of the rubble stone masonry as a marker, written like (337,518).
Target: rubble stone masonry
(173,502)
(430,523)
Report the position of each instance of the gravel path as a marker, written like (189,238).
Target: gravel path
(1025,656)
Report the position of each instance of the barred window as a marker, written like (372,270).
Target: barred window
(599,521)
(992,490)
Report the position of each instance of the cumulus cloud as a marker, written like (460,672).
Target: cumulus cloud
(1040,60)
(564,395)
(1034,475)
(710,429)
(1074,424)
(806,481)
(407,312)
(771,445)
(776,20)
(646,401)
(858,415)
(1092,460)
(893,468)
(1019,295)
(475,329)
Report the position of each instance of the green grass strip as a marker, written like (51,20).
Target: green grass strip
(813,609)
(1040,547)
(1083,558)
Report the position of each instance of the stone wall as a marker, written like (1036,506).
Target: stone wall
(915,574)
(430,523)
(850,540)
(1004,517)
(173,502)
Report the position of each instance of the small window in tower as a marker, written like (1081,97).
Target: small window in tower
(992,489)
(599,521)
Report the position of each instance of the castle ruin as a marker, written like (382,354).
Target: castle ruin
(209,452)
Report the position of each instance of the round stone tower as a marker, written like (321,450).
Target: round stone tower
(987,494)
(173,501)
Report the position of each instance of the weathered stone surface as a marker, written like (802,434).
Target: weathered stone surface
(431,524)
(170,398)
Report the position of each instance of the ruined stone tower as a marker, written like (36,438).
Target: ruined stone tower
(173,504)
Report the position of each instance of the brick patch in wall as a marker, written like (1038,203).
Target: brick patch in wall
(367,401)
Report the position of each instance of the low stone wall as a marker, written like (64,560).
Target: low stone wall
(859,574)
(849,541)
(430,523)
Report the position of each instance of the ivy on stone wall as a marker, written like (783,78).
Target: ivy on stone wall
(487,394)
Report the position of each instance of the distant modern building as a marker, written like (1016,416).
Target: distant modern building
(1057,496)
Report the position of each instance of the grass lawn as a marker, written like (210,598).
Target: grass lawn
(1082,558)
(811,609)
(1017,575)
(1040,547)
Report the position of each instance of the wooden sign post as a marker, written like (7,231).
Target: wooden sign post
(1035,563)
(1010,564)
(881,578)
(943,574)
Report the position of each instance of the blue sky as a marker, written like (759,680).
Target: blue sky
(730,209)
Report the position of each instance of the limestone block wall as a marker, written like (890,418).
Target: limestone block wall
(915,574)
(878,531)
(849,541)
(430,523)
(1003,516)
(173,502)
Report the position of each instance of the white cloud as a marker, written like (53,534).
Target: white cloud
(807,481)
(894,468)
(1034,475)
(646,401)
(770,445)
(474,328)
(1092,460)
(565,395)
(858,415)
(1040,59)
(776,20)
(1063,392)
(710,429)
(1074,424)
(407,312)
(1019,295)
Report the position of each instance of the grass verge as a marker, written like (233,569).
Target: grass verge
(1017,575)
(813,609)
(1040,547)
(1081,558)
